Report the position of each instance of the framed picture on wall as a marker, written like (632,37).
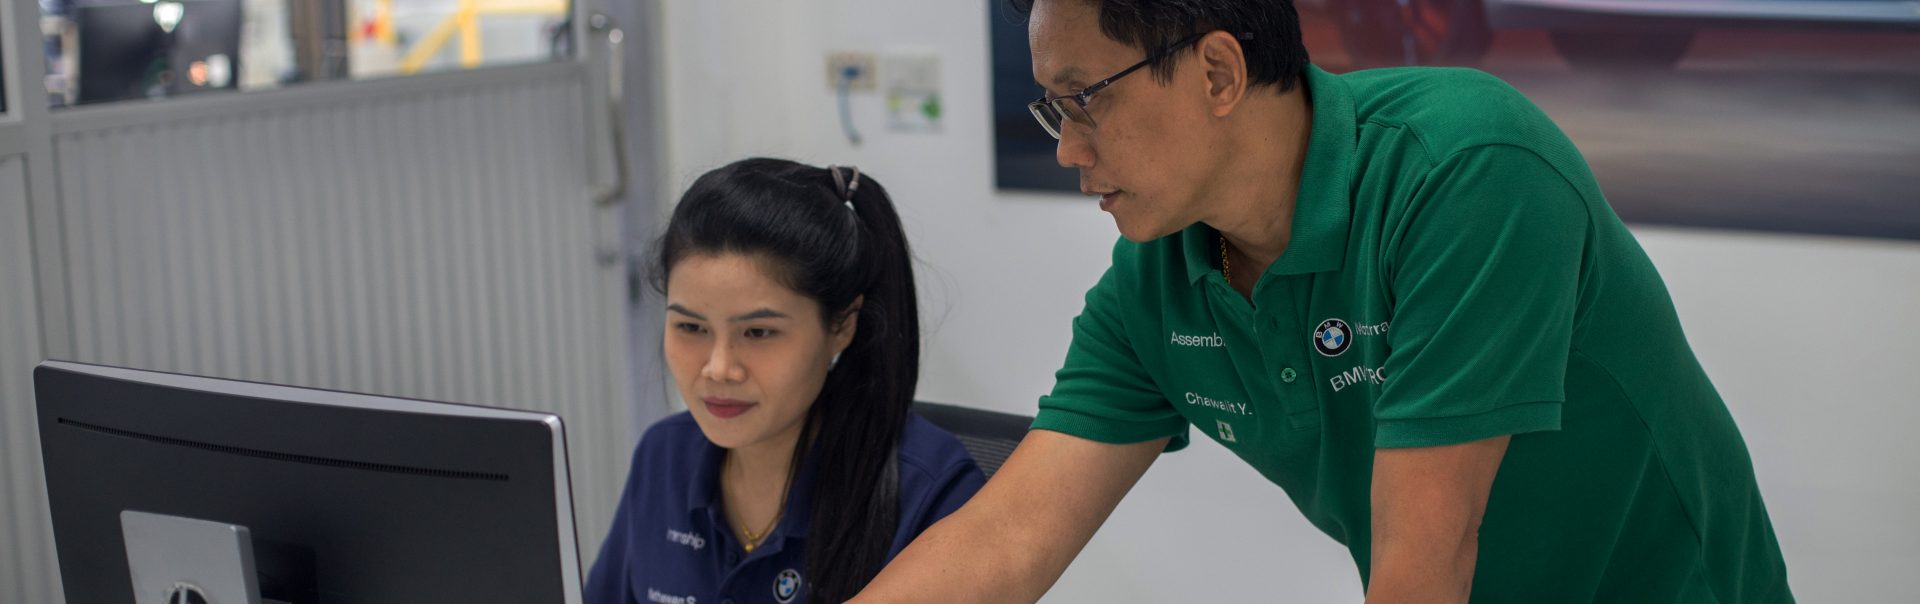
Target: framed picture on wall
(1766,115)
(1022,151)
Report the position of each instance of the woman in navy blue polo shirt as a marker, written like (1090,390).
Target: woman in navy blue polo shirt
(794,337)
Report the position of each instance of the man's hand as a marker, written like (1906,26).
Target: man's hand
(1017,535)
(1427,505)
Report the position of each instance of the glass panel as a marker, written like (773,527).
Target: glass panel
(4,51)
(115,50)
(403,37)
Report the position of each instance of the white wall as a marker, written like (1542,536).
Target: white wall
(28,572)
(1813,342)
(1810,339)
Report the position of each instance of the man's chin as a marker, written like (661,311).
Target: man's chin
(1142,233)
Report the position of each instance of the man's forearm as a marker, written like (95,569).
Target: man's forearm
(1427,506)
(1019,533)
(967,557)
(1438,574)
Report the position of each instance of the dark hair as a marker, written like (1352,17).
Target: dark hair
(1276,54)
(792,218)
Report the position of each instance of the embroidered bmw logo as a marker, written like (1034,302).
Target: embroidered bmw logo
(1332,337)
(786,585)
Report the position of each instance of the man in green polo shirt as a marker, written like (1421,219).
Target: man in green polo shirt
(1398,294)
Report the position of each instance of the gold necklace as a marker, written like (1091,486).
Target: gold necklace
(1225,268)
(749,539)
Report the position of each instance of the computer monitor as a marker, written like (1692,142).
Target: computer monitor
(345,497)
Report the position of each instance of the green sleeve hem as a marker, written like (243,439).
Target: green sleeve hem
(1106,430)
(1438,431)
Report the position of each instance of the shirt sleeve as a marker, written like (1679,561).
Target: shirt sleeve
(1103,392)
(954,492)
(928,496)
(948,493)
(1485,278)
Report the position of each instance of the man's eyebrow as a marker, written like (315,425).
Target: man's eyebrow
(1066,77)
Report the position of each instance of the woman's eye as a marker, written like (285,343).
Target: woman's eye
(692,328)
(757,333)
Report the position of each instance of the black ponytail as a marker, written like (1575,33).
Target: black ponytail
(833,249)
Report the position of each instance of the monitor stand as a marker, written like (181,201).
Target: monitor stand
(178,560)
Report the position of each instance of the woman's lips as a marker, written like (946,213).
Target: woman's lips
(726,408)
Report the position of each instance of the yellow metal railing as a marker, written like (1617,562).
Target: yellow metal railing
(465,21)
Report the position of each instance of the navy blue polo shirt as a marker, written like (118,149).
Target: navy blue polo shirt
(671,543)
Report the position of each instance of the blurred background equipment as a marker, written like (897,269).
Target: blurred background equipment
(114,50)
(318,29)
(132,49)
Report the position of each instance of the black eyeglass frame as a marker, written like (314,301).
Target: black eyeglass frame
(1054,104)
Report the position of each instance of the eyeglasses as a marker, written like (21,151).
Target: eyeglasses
(1052,110)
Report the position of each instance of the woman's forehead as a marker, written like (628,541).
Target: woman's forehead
(732,284)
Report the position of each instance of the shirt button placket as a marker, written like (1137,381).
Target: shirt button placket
(1276,350)
(1283,372)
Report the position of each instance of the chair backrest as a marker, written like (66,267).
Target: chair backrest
(989,436)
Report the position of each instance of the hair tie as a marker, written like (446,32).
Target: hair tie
(844,185)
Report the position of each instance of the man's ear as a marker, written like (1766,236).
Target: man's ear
(1224,62)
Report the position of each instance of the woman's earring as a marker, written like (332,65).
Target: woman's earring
(833,361)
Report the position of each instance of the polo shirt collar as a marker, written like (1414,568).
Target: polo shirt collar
(1323,208)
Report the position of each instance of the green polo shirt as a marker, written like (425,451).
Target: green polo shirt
(1454,275)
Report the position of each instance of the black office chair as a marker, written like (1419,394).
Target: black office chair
(988,435)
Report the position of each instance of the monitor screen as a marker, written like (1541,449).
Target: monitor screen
(345,497)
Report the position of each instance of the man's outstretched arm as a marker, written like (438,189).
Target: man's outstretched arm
(1427,507)
(1019,533)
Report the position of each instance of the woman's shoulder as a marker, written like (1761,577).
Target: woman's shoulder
(673,441)
(932,451)
(678,427)
(937,476)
